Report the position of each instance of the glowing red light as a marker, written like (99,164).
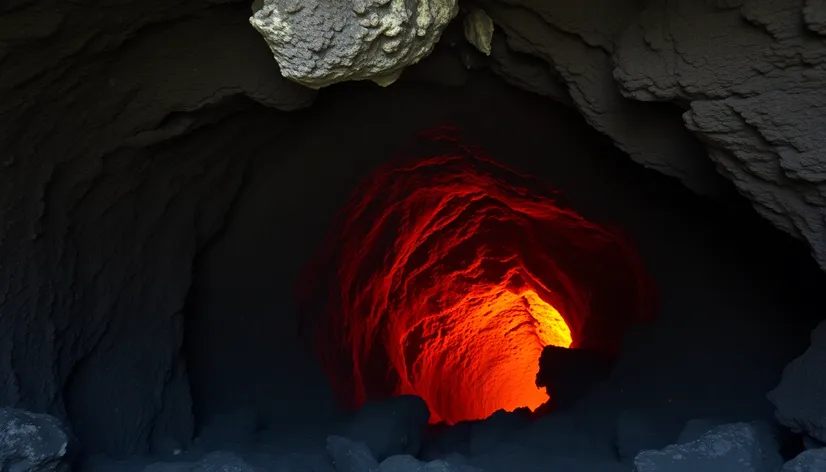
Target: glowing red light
(445,276)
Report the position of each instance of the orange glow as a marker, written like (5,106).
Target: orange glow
(503,333)
(446,276)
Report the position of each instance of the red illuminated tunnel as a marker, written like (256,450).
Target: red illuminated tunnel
(446,274)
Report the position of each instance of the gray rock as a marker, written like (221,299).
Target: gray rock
(31,442)
(738,447)
(813,460)
(350,456)
(800,398)
(390,427)
(318,43)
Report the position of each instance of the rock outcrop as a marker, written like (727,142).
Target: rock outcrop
(738,447)
(99,225)
(318,43)
(745,77)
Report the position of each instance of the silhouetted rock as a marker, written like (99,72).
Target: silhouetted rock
(568,374)
(813,460)
(800,398)
(391,427)
(350,456)
(31,442)
(737,447)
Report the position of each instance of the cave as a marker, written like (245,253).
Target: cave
(505,235)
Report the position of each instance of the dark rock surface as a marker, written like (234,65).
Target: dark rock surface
(350,456)
(32,442)
(813,460)
(130,130)
(729,448)
(800,398)
(390,427)
(749,87)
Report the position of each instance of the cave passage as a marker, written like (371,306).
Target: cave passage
(446,275)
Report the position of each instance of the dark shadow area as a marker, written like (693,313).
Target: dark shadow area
(738,297)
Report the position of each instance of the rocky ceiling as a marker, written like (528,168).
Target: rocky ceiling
(746,77)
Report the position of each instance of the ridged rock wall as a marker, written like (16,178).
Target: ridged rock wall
(102,212)
(746,78)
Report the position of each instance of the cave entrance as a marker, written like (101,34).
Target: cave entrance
(448,274)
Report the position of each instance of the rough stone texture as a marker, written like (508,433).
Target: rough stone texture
(390,427)
(800,398)
(577,45)
(813,460)
(479,30)
(749,87)
(318,43)
(99,227)
(757,102)
(31,442)
(729,448)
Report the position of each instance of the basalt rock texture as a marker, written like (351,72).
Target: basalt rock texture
(318,43)
(746,77)
(100,223)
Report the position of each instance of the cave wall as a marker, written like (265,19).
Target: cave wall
(100,227)
(746,77)
(729,321)
(105,201)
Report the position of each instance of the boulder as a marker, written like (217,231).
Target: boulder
(738,447)
(813,460)
(350,456)
(800,398)
(390,427)
(31,442)
(318,43)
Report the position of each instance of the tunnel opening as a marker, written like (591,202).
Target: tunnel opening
(447,274)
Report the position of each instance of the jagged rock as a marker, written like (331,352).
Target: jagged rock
(813,460)
(577,44)
(318,43)
(218,461)
(757,103)
(350,456)
(390,427)
(738,447)
(31,442)
(77,110)
(479,30)
(800,398)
